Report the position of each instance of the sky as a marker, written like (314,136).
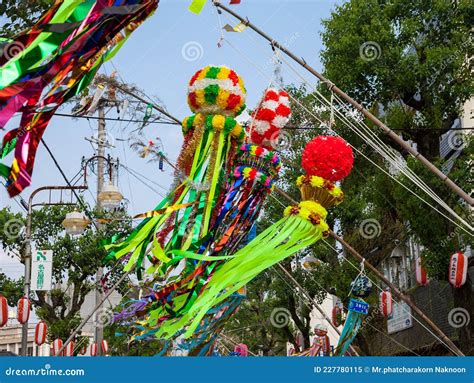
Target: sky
(160,57)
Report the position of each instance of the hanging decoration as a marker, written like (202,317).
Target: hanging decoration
(421,275)
(302,225)
(3,311)
(57,345)
(104,347)
(458,269)
(23,310)
(59,57)
(83,350)
(69,350)
(357,310)
(41,330)
(241,349)
(272,114)
(322,339)
(385,303)
(93,349)
(211,137)
(336,315)
(361,286)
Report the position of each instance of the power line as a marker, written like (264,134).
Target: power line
(156,121)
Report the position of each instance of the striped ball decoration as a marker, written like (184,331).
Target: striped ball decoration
(57,344)
(421,275)
(458,269)
(69,350)
(23,310)
(93,349)
(104,347)
(385,303)
(3,311)
(272,114)
(216,90)
(40,333)
(361,286)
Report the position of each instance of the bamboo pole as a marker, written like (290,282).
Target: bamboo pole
(333,88)
(454,349)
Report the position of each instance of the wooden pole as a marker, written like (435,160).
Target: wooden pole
(393,288)
(333,88)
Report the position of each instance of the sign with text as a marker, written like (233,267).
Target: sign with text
(401,318)
(41,270)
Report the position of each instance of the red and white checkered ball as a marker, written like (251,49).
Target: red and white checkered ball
(271,116)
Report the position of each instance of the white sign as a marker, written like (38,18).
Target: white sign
(401,318)
(41,270)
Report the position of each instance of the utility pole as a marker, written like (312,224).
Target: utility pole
(101,143)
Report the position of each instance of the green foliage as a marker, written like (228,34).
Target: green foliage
(11,289)
(20,14)
(75,263)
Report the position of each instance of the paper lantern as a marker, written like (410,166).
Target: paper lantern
(336,316)
(421,275)
(40,333)
(69,350)
(94,349)
(328,157)
(458,269)
(320,329)
(3,311)
(216,90)
(385,302)
(272,114)
(241,349)
(23,310)
(57,345)
(104,347)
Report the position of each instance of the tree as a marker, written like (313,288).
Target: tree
(75,263)
(21,14)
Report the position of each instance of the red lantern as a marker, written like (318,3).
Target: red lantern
(69,350)
(3,311)
(336,316)
(83,350)
(386,303)
(458,269)
(57,345)
(94,349)
(421,276)
(104,347)
(40,333)
(23,310)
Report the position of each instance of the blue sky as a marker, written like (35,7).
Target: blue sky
(159,59)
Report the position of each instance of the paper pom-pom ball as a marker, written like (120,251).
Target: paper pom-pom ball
(271,116)
(216,90)
(328,157)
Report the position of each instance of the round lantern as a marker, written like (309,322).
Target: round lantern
(104,347)
(241,349)
(69,350)
(40,333)
(328,157)
(386,303)
(23,310)
(421,275)
(94,349)
(361,286)
(458,269)
(57,345)
(216,90)
(336,316)
(3,311)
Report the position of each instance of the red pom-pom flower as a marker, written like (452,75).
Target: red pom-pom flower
(328,157)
